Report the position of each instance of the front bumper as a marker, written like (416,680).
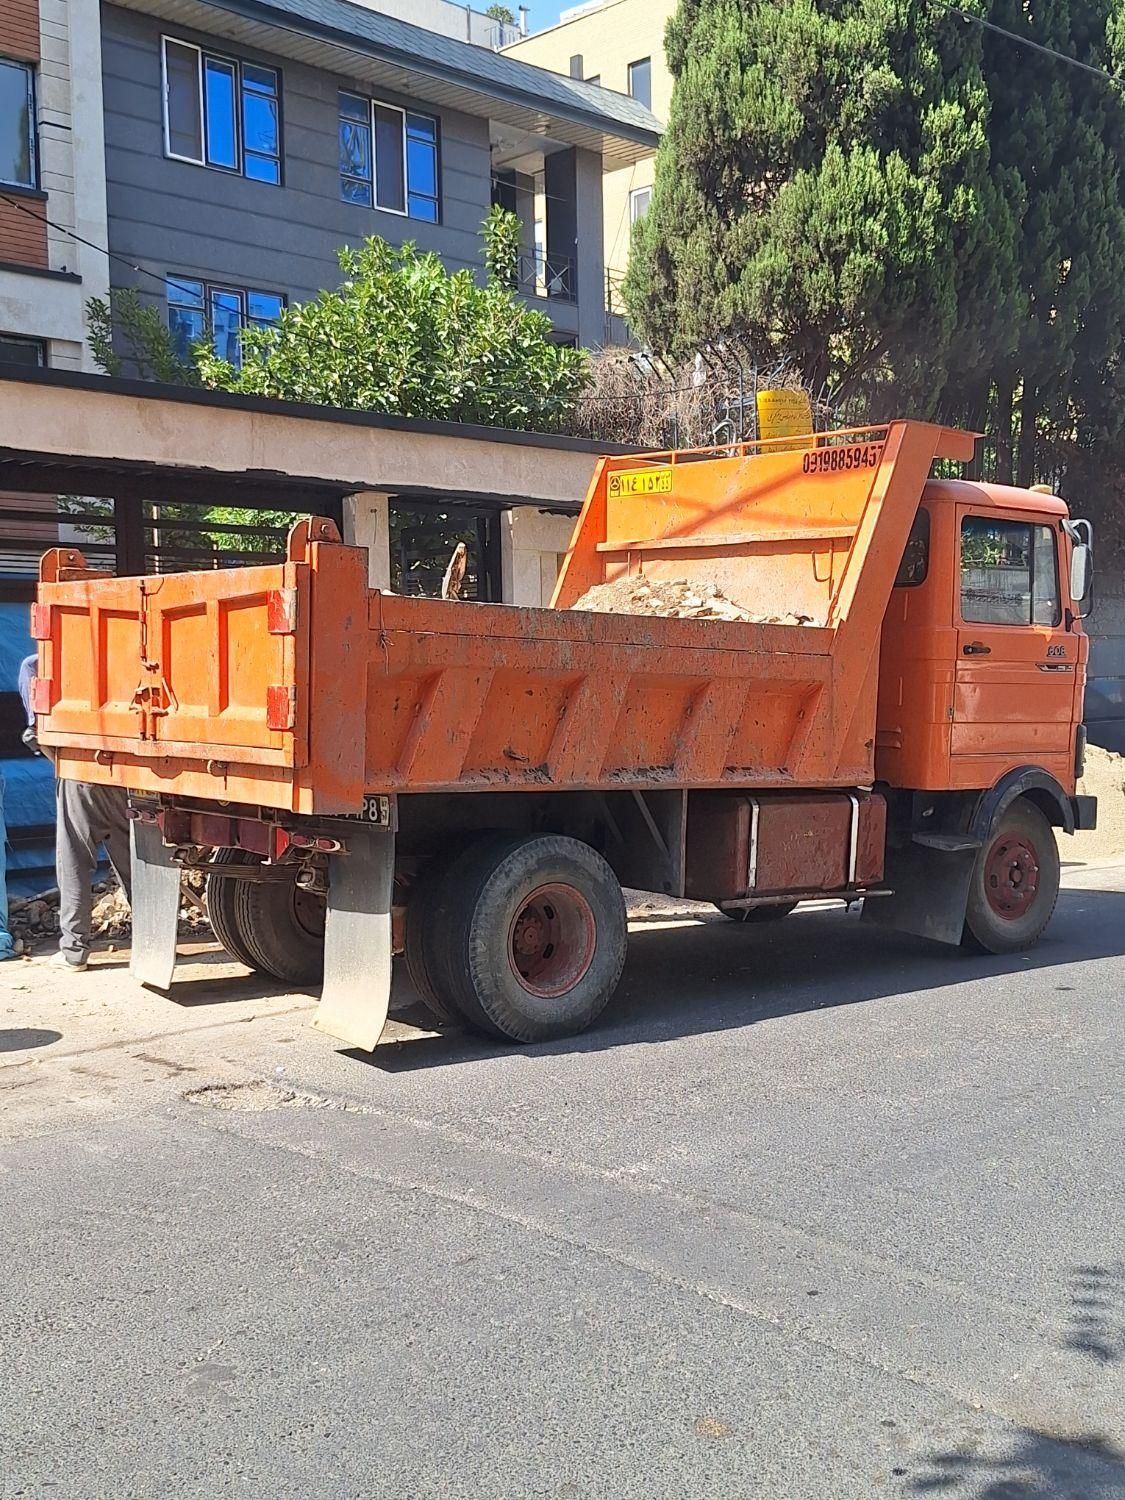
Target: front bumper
(1085,811)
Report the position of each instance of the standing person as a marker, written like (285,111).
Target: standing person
(85,816)
(7,946)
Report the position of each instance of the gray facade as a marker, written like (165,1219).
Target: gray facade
(176,218)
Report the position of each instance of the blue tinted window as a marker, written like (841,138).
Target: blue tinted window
(240,128)
(226,324)
(261,123)
(263,309)
(194,308)
(421,167)
(222,138)
(355,149)
(186,320)
(389,157)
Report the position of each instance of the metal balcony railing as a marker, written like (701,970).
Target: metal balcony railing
(552,276)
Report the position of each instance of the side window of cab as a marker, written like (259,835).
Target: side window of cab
(1009,573)
(915,564)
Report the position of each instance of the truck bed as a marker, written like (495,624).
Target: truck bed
(296,687)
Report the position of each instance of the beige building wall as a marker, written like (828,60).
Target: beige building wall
(608,38)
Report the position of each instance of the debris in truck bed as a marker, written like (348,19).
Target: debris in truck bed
(674,598)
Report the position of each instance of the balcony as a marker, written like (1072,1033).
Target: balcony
(542,275)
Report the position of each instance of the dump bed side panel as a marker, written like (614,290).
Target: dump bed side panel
(465,696)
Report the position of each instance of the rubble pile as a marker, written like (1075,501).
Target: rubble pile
(36,920)
(674,598)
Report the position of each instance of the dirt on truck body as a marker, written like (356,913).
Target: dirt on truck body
(877,696)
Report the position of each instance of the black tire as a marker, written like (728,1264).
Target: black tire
(421,926)
(759,914)
(283,927)
(530,935)
(221,906)
(1015,883)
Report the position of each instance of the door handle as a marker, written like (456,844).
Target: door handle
(975,648)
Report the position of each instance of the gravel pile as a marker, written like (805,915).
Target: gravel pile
(1105,780)
(674,598)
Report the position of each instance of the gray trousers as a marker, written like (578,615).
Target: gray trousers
(86,816)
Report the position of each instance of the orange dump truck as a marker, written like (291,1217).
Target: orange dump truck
(472,784)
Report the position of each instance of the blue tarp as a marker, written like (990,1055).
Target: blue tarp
(29,790)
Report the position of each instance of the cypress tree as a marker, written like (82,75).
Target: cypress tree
(1060,132)
(826,188)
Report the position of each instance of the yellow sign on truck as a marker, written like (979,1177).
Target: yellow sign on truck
(784,414)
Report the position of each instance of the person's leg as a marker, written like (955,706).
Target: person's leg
(76,860)
(7,947)
(112,804)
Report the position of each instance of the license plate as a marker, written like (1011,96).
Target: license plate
(376,812)
(640,482)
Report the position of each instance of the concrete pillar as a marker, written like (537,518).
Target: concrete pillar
(573,184)
(562,216)
(532,544)
(590,237)
(367,523)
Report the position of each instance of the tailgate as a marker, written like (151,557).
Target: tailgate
(187,665)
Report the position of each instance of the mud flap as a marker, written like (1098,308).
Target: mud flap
(155,904)
(931,892)
(357,940)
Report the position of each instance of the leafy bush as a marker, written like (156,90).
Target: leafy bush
(403,336)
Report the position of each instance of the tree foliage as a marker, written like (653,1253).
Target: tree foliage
(920,212)
(403,336)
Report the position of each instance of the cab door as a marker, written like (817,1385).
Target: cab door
(1014,680)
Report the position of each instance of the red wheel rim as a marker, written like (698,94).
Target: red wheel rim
(1011,876)
(551,940)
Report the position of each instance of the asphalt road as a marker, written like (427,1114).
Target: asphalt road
(815,1213)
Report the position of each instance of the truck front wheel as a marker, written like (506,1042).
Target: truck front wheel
(530,936)
(1015,882)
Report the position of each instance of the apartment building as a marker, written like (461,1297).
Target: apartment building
(52,215)
(244,146)
(464,23)
(618,44)
(52,179)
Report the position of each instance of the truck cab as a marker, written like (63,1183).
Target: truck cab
(983,657)
(979,734)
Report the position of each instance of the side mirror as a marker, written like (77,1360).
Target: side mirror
(1081,535)
(1081,575)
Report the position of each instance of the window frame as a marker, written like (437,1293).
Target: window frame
(25,341)
(208,291)
(29,70)
(1031,526)
(640,62)
(634,194)
(404,112)
(923,523)
(204,56)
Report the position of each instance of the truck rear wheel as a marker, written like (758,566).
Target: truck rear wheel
(421,926)
(221,906)
(530,936)
(1015,882)
(282,926)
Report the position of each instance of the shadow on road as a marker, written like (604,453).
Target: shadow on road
(1038,1467)
(1096,1312)
(24,1038)
(717,976)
